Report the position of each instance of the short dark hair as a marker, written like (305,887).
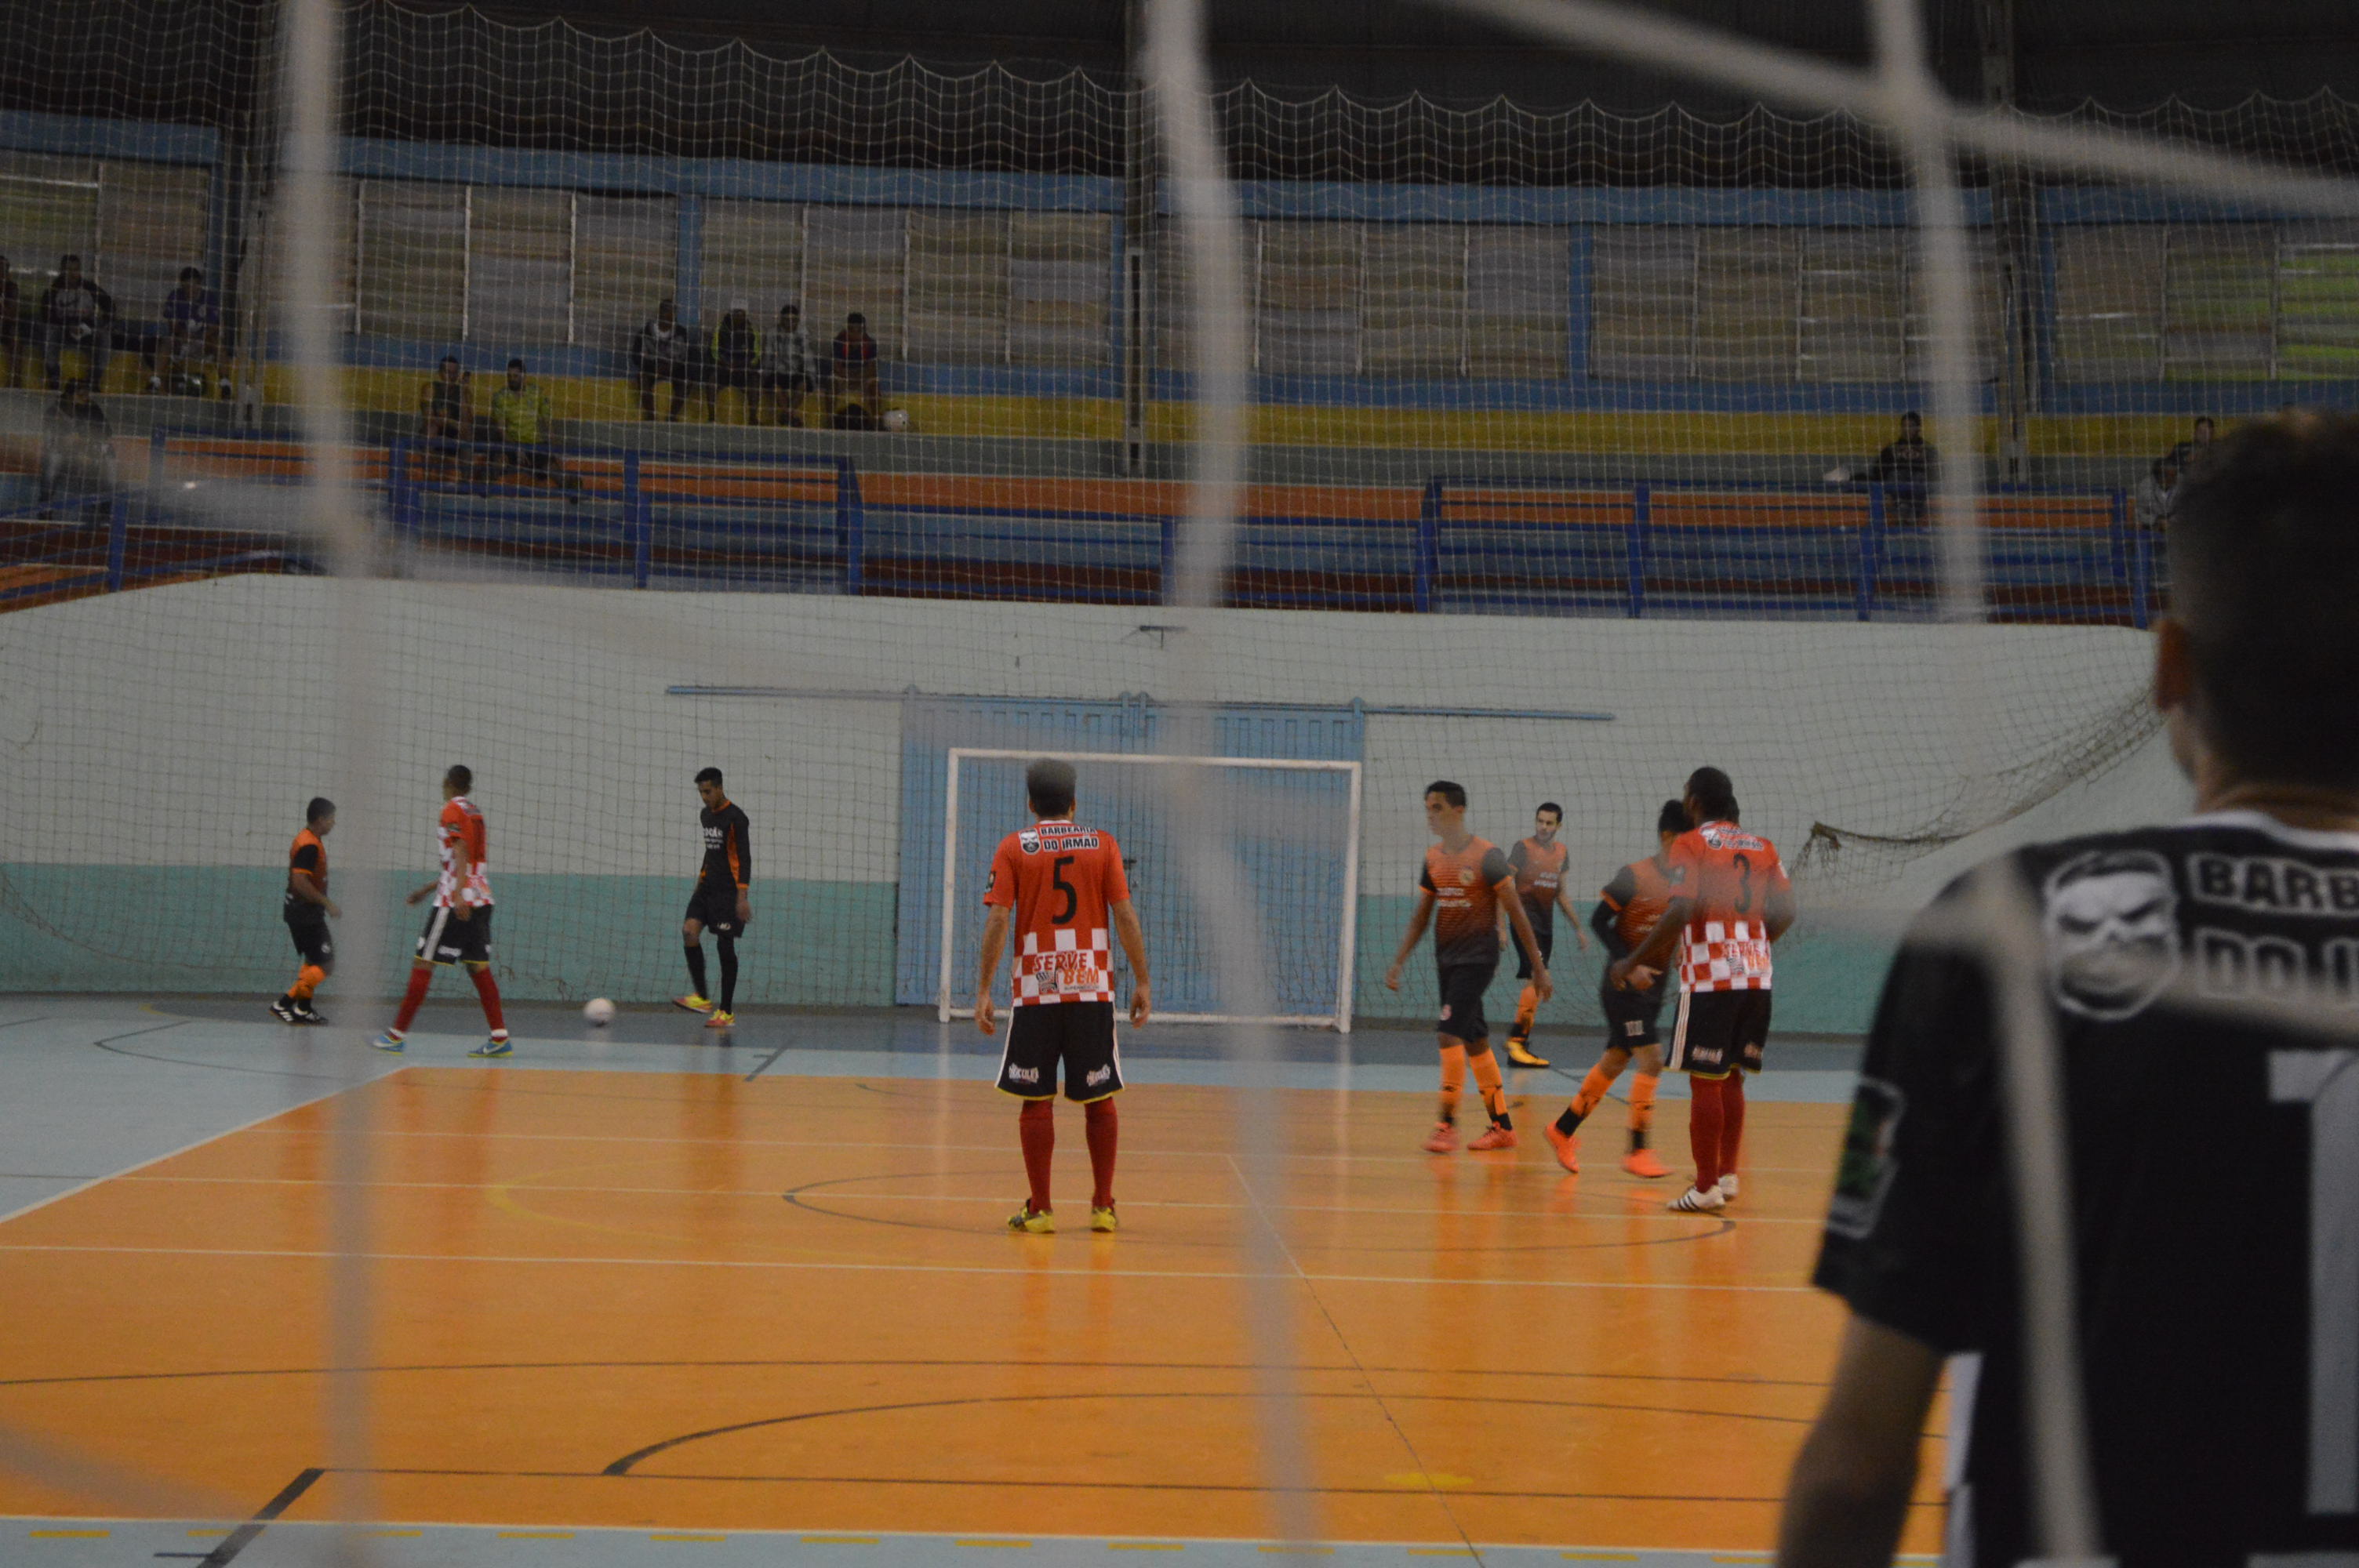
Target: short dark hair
(2265,563)
(2203,419)
(855,320)
(1709,788)
(1912,414)
(448,360)
(188,272)
(460,777)
(516,364)
(68,259)
(1549,806)
(320,806)
(1673,818)
(1455,793)
(708,775)
(1048,785)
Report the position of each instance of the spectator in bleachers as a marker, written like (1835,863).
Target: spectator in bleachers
(446,416)
(190,337)
(12,322)
(2158,494)
(2184,454)
(786,366)
(1907,469)
(736,364)
(852,369)
(76,314)
(523,420)
(662,351)
(77,454)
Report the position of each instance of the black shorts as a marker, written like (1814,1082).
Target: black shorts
(448,940)
(1546,936)
(784,381)
(1634,1019)
(1077,1033)
(312,940)
(1718,1033)
(1462,986)
(715,905)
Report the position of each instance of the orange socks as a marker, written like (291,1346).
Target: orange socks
(1642,1107)
(307,982)
(1486,1078)
(1527,1007)
(1454,1079)
(1593,1090)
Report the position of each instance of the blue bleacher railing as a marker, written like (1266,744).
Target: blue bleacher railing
(1473,543)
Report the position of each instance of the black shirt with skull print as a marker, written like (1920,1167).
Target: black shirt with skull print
(2215,1187)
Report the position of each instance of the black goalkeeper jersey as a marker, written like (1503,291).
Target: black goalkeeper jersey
(2215,1187)
(728,846)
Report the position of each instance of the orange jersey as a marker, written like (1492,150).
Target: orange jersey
(1730,874)
(1539,872)
(306,855)
(1466,885)
(1637,895)
(460,827)
(1061,881)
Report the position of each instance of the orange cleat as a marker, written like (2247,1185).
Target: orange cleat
(1642,1164)
(1566,1146)
(1496,1137)
(1444,1140)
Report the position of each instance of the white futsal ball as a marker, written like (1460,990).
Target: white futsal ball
(599,1011)
(897,418)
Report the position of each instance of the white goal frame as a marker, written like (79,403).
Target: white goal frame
(1340,1019)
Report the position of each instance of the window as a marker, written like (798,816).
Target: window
(2317,300)
(519,266)
(753,251)
(856,258)
(411,256)
(1060,288)
(956,287)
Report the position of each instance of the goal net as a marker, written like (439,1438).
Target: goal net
(1293,825)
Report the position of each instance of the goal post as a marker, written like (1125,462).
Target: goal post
(1299,850)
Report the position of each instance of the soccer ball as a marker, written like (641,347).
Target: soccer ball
(599,1011)
(897,418)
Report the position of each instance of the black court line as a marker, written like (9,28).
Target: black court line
(12,1023)
(765,1066)
(243,1535)
(111,1049)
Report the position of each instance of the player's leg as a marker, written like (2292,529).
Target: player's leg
(1563,1134)
(1642,1160)
(475,953)
(319,962)
(1443,1138)
(421,975)
(691,934)
(1751,1041)
(1492,1085)
(1028,1069)
(726,1013)
(1092,1055)
(1527,1004)
(1699,1048)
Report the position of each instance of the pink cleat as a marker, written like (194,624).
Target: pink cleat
(1444,1140)
(1496,1137)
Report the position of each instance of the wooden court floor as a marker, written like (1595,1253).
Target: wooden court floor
(687,1300)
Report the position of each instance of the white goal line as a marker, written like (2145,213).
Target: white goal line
(1340,1019)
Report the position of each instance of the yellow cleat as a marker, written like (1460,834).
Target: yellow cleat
(1028,1221)
(1520,1054)
(720,1020)
(692,1003)
(1103,1219)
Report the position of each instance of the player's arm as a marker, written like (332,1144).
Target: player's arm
(1606,919)
(1416,921)
(1848,1495)
(1571,915)
(305,886)
(1515,864)
(1134,946)
(1637,971)
(463,904)
(1777,910)
(1542,987)
(743,860)
(994,941)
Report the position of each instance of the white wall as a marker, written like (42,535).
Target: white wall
(186,725)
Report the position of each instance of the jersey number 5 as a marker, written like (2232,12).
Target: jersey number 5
(1073,899)
(2328,1082)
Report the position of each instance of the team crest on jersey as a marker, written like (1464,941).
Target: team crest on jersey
(1466,876)
(2111,918)
(1028,841)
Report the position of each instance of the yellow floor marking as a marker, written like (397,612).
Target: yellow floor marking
(68,1534)
(1599,1556)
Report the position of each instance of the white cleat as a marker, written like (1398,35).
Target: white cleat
(1698,1200)
(1728,1187)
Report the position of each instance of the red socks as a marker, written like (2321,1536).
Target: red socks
(1732,1119)
(1105,1130)
(1706,1124)
(420,976)
(1036,1127)
(488,990)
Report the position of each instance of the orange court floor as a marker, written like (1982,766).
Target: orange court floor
(589,1296)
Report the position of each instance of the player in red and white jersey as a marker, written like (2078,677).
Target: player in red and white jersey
(1733,899)
(459,930)
(1063,889)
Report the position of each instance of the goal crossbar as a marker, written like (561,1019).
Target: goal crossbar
(1340,1019)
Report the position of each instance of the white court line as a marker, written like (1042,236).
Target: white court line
(1421,1281)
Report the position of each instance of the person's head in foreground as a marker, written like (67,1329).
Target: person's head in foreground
(319,815)
(708,789)
(1670,822)
(2183,998)
(458,780)
(1709,797)
(1445,808)
(1546,819)
(1048,785)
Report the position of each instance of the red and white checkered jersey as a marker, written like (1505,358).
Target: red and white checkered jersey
(462,823)
(1061,881)
(1729,873)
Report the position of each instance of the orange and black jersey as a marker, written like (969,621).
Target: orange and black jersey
(1465,884)
(1629,906)
(306,855)
(1539,873)
(728,848)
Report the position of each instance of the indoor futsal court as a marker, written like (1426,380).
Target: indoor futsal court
(637,1299)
